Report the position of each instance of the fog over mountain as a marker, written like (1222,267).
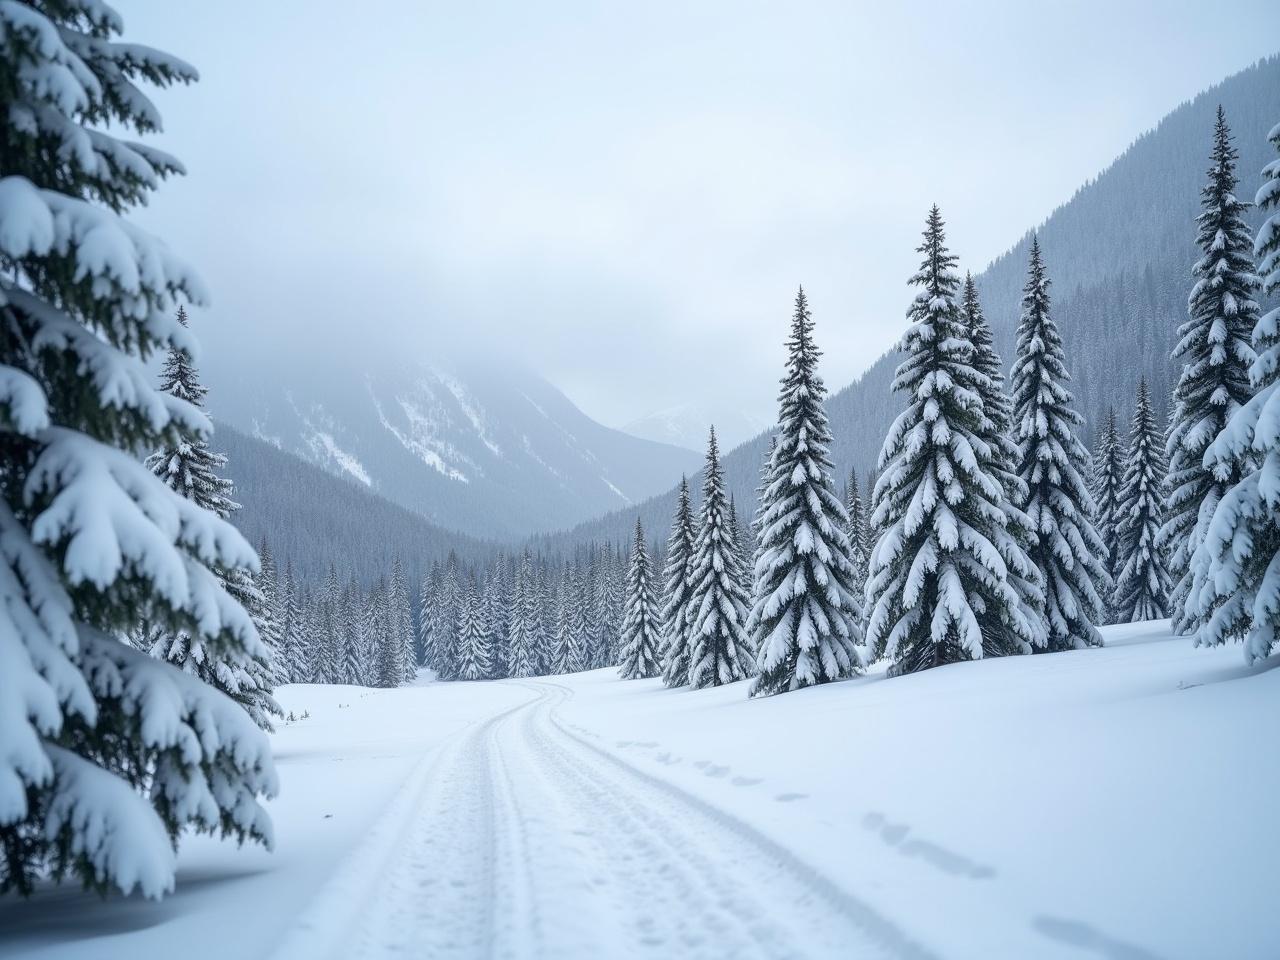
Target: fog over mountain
(487,448)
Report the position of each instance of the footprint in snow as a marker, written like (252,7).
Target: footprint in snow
(745,781)
(714,771)
(790,797)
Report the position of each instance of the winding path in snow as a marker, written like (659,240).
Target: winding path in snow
(521,839)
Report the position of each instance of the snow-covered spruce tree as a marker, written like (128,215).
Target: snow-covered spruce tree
(522,641)
(1105,487)
(401,617)
(1215,350)
(941,567)
(1235,592)
(859,537)
(106,754)
(999,454)
(642,621)
(357,628)
(738,537)
(445,627)
(719,649)
(187,465)
(804,621)
(677,580)
(293,633)
(1053,464)
(610,606)
(473,642)
(567,648)
(328,643)
(271,624)
(1142,586)
(428,594)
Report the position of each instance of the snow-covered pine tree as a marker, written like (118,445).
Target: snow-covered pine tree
(1105,487)
(943,563)
(609,613)
(522,642)
(492,617)
(642,622)
(859,538)
(445,627)
(328,642)
(108,754)
(473,641)
(1214,347)
(566,653)
(1235,593)
(293,636)
(1053,464)
(804,621)
(720,650)
(427,604)
(187,466)
(271,624)
(1142,587)
(387,656)
(355,639)
(678,585)
(738,538)
(999,455)
(401,619)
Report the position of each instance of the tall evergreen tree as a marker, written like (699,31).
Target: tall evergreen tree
(328,645)
(1235,593)
(1108,481)
(293,631)
(473,642)
(642,622)
(945,556)
(354,668)
(567,650)
(400,614)
(525,625)
(1069,553)
(1215,350)
(720,650)
(271,624)
(1142,587)
(677,588)
(609,611)
(187,466)
(110,755)
(859,538)
(999,454)
(427,613)
(806,610)
(445,626)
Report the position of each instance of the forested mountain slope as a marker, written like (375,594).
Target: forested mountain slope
(311,517)
(495,451)
(1119,254)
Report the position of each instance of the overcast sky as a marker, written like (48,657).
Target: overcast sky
(625,195)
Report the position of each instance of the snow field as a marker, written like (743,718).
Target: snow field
(1105,802)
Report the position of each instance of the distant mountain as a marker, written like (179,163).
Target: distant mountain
(312,517)
(495,453)
(1119,254)
(687,425)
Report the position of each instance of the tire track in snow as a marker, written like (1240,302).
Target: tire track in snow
(818,917)
(528,841)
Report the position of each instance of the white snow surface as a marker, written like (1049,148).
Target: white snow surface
(1104,802)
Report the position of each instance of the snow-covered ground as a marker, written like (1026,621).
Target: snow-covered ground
(1113,803)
